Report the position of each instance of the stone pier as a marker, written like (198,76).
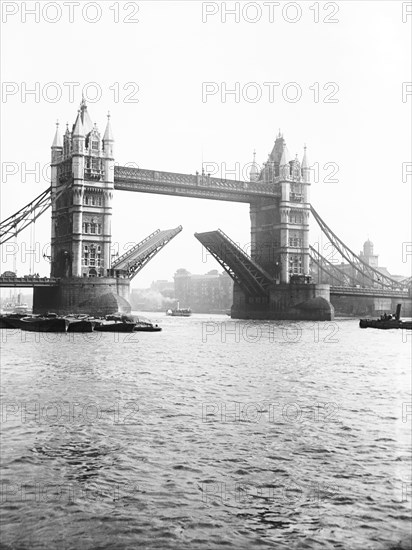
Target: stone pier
(97,296)
(299,302)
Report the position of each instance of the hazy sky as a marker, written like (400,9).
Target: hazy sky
(162,58)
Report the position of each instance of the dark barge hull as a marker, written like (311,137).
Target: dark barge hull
(81,326)
(6,321)
(115,327)
(40,325)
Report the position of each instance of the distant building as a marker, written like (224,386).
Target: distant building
(368,256)
(208,293)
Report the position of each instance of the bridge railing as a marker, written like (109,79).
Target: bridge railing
(369,291)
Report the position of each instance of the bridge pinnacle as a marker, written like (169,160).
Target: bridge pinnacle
(305,163)
(108,134)
(78,126)
(254,171)
(57,142)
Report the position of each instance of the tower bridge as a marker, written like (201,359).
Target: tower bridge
(274,282)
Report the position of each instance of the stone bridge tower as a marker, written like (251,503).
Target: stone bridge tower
(280,244)
(82,180)
(280,227)
(83,177)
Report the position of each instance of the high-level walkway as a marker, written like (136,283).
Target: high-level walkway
(198,186)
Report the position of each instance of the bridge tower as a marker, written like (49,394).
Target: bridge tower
(280,244)
(280,227)
(83,167)
(82,181)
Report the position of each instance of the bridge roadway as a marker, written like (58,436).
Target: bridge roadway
(30,281)
(198,186)
(373,292)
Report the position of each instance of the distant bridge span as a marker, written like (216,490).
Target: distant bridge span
(372,292)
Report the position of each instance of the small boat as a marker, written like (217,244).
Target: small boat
(179,311)
(387,321)
(115,323)
(146,326)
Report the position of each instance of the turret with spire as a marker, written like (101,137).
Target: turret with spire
(108,139)
(78,134)
(305,167)
(57,145)
(254,171)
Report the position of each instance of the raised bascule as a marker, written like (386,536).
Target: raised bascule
(274,282)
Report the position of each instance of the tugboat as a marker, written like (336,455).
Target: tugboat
(387,321)
(179,312)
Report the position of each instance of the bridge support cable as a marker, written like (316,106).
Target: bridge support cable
(407,283)
(13,225)
(332,270)
(137,257)
(242,269)
(369,273)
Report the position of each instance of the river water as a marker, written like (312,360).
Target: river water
(210,434)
